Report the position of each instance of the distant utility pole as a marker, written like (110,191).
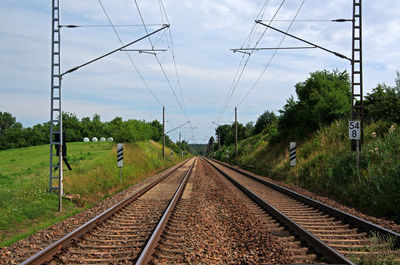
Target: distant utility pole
(163,129)
(180,144)
(357,105)
(236,129)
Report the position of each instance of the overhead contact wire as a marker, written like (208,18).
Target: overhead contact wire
(273,55)
(156,57)
(163,11)
(227,99)
(248,58)
(236,82)
(171,44)
(129,56)
(248,40)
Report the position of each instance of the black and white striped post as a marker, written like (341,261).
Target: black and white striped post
(292,154)
(120,159)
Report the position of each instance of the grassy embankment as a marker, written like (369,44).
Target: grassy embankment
(25,204)
(326,166)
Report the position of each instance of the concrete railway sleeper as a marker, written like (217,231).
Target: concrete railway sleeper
(347,235)
(214,223)
(118,235)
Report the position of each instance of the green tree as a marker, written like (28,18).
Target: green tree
(288,118)
(72,127)
(40,134)
(226,134)
(324,97)
(157,131)
(249,129)
(210,144)
(184,145)
(112,127)
(264,120)
(8,121)
(383,103)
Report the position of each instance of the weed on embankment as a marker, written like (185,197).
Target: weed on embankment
(26,206)
(326,166)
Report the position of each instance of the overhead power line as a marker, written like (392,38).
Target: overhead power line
(181,103)
(172,49)
(248,40)
(129,56)
(273,55)
(163,11)
(158,61)
(237,78)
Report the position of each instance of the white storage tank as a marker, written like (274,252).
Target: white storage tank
(94,139)
(86,140)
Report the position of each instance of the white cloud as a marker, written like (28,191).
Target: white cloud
(203,33)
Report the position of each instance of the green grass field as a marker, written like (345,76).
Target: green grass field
(26,206)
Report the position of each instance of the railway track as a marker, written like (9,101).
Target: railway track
(216,224)
(195,214)
(119,235)
(341,237)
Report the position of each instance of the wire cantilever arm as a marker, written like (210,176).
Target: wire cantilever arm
(310,43)
(178,127)
(109,53)
(277,48)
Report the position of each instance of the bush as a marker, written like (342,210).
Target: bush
(13,135)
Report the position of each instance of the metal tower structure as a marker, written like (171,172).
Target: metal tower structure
(357,111)
(236,133)
(56,136)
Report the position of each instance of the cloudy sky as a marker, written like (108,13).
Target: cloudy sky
(203,32)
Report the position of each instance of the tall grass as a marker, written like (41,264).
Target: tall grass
(326,165)
(25,203)
(384,245)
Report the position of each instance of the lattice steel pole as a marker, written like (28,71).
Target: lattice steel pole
(56,135)
(357,106)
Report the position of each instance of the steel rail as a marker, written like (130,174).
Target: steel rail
(151,244)
(48,253)
(322,248)
(346,217)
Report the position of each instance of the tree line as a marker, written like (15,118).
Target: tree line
(13,135)
(325,96)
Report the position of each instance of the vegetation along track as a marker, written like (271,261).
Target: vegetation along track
(118,235)
(347,235)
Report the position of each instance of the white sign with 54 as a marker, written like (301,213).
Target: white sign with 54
(354,130)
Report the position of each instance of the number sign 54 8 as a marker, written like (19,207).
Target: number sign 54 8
(354,130)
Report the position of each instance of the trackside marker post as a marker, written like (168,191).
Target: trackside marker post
(292,153)
(120,159)
(355,134)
